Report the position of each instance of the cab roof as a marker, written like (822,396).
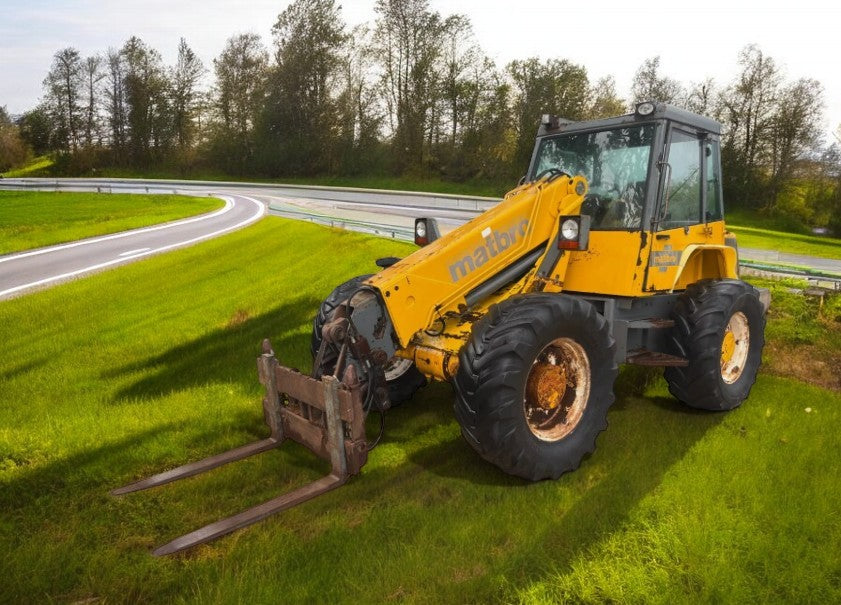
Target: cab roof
(662,111)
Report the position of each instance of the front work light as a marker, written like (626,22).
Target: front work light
(575,232)
(645,109)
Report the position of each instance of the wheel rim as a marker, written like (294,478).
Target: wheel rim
(734,347)
(396,367)
(557,390)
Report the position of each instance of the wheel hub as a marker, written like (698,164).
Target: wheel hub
(557,390)
(734,347)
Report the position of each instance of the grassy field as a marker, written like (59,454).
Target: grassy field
(795,243)
(31,219)
(124,374)
(37,167)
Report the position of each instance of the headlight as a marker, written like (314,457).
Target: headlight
(420,229)
(569,229)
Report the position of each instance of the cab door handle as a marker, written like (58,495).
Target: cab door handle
(663,236)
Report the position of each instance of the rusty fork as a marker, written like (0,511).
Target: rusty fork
(338,435)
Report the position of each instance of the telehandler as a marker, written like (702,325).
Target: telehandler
(611,250)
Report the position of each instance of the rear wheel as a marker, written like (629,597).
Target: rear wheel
(402,377)
(720,329)
(534,384)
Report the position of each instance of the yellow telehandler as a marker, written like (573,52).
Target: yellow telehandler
(612,250)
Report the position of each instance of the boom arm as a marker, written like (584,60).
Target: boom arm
(435,280)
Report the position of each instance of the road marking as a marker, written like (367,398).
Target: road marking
(261,210)
(131,252)
(229,205)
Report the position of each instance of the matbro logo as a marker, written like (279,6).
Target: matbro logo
(495,242)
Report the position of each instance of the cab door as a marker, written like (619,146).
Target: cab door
(686,178)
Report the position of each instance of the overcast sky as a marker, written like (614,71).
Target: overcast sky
(694,39)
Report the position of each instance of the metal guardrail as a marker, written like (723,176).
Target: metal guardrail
(470,205)
(346,194)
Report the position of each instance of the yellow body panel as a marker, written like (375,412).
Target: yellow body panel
(613,265)
(433,281)
(424,293)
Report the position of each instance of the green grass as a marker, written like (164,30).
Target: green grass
(31,219)
(127,373)
(794,243)
(39,166)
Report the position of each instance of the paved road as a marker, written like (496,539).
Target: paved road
(23,272)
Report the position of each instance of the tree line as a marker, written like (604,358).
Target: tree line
(410,94)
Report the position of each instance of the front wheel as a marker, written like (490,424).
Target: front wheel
(402,377)
(720,330)
(534,384)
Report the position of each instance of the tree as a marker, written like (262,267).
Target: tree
(184,79)
(409,42)
(360,116)
(649,85)
(747,110)
(36,130)
(92,69)
(12,149)
(115,94)
(555,86)
(148,113)
(794,129)
(701,98)
(63,97)
(605,102)
(299,122)
(237,99)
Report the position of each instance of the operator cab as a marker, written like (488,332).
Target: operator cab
(621,156)
(657,169)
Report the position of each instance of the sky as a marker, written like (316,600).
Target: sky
(695,40)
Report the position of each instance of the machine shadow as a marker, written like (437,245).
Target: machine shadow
(80,471)
(630,461)
(227,354)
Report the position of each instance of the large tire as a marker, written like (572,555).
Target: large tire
(402,377)
(534,384)
(720,329)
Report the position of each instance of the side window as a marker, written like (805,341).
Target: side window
(714,212)
(681,204)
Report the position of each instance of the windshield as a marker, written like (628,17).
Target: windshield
(615,164)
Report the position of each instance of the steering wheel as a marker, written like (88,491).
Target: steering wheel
(595,205)
(552,172)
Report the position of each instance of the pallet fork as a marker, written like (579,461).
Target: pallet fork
(324,415)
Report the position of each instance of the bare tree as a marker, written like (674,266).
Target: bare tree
(64,88)
(115,94)
(360,115)
(93,76)
(747,110)
(409,41)
(701,97)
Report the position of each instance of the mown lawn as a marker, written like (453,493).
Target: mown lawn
(139,369)
(31,219)
(794,243)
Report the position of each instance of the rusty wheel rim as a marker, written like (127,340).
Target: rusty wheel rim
(396,367)
(734,347)
(557,390)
